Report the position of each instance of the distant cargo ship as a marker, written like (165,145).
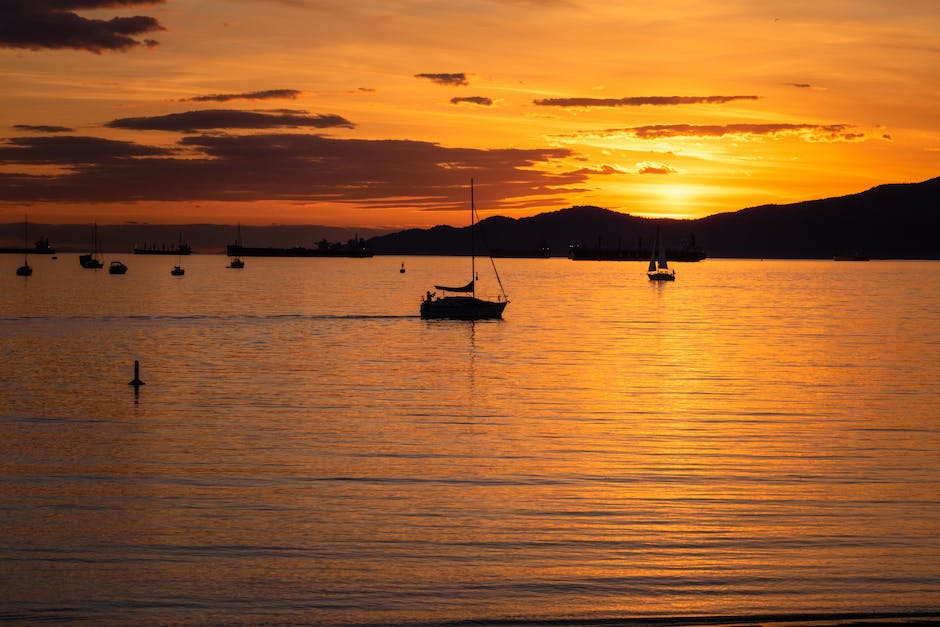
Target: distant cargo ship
(163,249)
(543,252)
(580,253)
(353,248)
(42,247)
(689,252)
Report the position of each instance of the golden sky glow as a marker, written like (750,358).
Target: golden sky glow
(368,113)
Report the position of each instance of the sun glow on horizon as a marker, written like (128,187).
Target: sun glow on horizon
(388,121)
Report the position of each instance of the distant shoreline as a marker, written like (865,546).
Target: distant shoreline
(854,619)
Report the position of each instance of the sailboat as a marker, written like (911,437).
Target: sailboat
(658,269)
(461,303)
(237,262)
(178,268)
(25,269)
(91,260)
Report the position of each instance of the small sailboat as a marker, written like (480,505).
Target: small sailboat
(461,303)
(178,268)
(91,260)
(237,262)
(402,269)
(25,269)
(117,267)
(658,269)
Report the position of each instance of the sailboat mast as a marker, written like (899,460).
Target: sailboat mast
(473,242)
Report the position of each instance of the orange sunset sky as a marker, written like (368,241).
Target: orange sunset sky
(377,113)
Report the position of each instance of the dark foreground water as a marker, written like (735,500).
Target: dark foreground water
(758,438)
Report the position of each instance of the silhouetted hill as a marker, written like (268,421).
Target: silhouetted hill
(889,221)
(591,226)
(886,222)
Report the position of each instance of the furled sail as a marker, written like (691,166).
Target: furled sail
(466,288)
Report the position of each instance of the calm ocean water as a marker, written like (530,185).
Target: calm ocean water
(758,437)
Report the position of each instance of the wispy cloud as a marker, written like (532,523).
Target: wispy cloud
(289,167)
(456,78)
(604,169)
(42,128)
(808,132)
(809,86)
(477,100)
(192,121)
(53,24)
(268,94)
(651,167)
(639,101)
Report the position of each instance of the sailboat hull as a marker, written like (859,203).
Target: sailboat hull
(88,261)
(659,275)
(462,308)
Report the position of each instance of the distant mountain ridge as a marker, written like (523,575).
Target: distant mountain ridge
(895,221)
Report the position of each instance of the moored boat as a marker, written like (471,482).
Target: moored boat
(91,260)
(25,269)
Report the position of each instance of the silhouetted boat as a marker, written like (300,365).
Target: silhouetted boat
(178,268)
(117,267)
(460,306)
(236,262)
(91,260)
(25,269)
(658,270)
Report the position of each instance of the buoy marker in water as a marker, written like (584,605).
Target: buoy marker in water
(136,381)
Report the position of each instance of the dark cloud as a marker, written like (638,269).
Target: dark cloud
(287,167)
(800,85)
(30,128)
(639,101)
(477,100)
(192,121)
(71,150)
(268,94)
(53,24)
(457,78)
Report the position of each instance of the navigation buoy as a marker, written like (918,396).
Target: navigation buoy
(402,269)
(136,382)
